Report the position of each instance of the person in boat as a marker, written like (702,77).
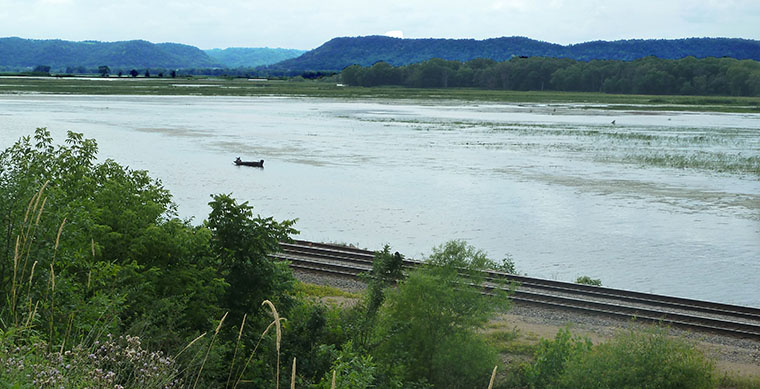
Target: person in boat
(237,160)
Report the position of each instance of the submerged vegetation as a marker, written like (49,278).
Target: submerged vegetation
(713,149)
(103,286)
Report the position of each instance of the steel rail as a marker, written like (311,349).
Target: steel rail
(351,262)
(359,256)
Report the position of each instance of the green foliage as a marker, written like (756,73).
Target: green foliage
(586,280)
(100,251)
(242,244)
(303,334)
(428,323)
(353,370)
(649,75)
(362,318)
(552,356)
(386,270)
(88,220)
(633,359)
(648,359)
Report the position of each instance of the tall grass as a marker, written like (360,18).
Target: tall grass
(210,345)
(278,331)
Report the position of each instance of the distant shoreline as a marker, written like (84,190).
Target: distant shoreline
(183,86)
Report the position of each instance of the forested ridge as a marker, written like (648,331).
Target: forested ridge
(649,75)
(339,53)
(60,54)
(81,57)
(242,57)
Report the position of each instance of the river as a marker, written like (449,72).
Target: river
(660,202)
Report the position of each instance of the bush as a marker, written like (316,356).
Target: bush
(352,370)
(552,356)
(640,359)
(586,280)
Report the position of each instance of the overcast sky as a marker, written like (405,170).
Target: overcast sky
(308,24)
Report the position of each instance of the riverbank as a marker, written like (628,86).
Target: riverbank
(331,89)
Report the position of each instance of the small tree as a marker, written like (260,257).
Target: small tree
(104,70)
(428,324)
(386,271)
(243,244)
(147,73)
(133,73)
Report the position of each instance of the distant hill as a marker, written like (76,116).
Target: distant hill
(339,53)
(245,57)
(19,53)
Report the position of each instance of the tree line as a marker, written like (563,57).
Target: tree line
(650,75)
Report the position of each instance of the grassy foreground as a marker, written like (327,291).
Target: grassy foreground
(324,88)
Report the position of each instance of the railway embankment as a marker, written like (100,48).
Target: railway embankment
(540,308)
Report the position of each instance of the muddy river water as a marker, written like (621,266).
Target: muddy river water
(659,202)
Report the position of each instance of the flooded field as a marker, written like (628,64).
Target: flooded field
(658,202)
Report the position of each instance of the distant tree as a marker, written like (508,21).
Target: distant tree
(161,74)
(75,69)
(352,75)
(173,74)
(147,73)
(41,69)
(104,70)
(133,73)
(121,73)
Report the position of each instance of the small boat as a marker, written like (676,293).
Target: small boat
(249,163)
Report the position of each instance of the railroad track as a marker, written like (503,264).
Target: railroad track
(694,315)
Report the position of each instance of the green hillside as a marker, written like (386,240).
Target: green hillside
(18,53)
(245,57)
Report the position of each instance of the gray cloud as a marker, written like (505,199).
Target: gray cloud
(306,24)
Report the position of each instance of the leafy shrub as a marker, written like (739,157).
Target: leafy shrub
(552,356)
(640,359)
(586,280)
(352,370)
